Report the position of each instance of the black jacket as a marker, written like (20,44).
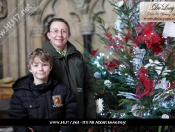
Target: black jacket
(31,101)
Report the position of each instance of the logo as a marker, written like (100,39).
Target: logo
(157,11)
(57,101)
(79,89)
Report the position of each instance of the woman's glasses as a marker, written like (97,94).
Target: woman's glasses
(57,31)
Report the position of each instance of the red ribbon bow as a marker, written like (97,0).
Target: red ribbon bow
(148,84)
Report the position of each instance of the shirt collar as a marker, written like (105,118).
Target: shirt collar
(63,52)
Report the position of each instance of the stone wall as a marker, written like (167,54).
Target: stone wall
(1,73)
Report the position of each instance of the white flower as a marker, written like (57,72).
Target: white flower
(163,84)
(165,116)
(107,83)
(136,110)
(97,75)
(99,105)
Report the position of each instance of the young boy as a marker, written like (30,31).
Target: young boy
(41,96)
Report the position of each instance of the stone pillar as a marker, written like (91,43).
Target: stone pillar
(5,56)
(10,47)
(86,27)
(22,45)
(87,30)
(14,44)
(36,37)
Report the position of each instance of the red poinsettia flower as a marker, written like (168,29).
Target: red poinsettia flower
(157,46)
(110,37)
(120,46)
(111,65)
(112,107)
(99,92)
(150,39)
(146,34)
(172,86)
(138,40)
(127,35)
(110,46)
(116,128)
(147,28)
(94,53)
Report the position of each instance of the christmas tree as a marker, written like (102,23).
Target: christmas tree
(135,79)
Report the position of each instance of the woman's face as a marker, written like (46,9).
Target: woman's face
(58,34)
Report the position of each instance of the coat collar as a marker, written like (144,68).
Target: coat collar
(49,48)
(26,83)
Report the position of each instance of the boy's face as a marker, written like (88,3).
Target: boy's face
(40,70)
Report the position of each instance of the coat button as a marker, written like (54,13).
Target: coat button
(30,106)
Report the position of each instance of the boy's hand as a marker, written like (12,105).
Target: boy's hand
(89,130)
(31,130)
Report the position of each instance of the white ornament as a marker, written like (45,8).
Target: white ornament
(97,75)
(136,110)
(107,83)
(119,3)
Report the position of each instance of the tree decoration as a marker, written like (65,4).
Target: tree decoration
(136,78)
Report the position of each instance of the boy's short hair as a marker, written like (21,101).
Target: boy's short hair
(42,55)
